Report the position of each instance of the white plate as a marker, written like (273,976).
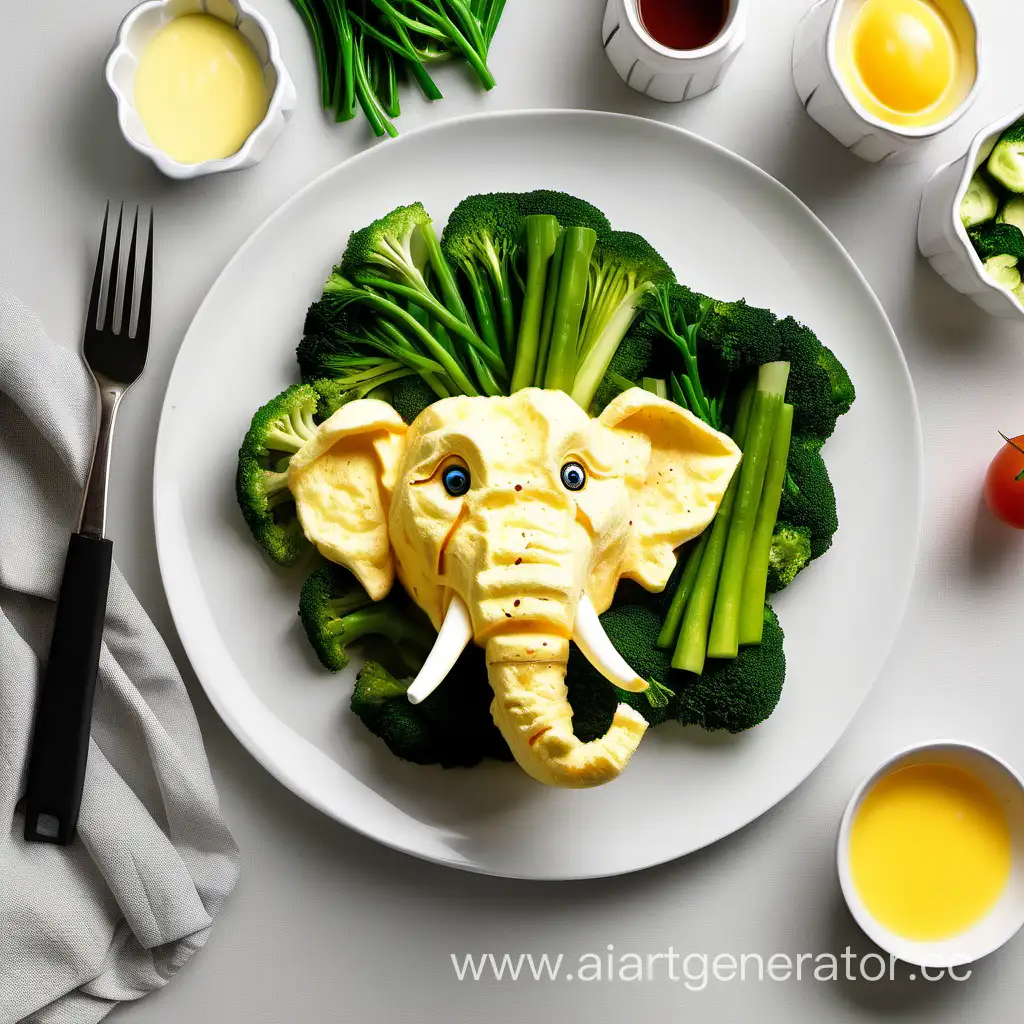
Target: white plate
(728,229)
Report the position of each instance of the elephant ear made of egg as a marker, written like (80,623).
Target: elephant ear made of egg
(342,499)
(677,469)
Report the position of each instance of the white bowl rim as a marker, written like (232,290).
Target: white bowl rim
(875,931)
(167,163)
(903,132)
(724,37)
(980,139)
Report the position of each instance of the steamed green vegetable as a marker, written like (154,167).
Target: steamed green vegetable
(1006,161)
(980,201)
(364,47)
(536,289)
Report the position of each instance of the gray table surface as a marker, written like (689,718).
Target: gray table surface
(325,925)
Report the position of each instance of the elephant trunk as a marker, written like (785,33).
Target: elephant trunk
(532,711)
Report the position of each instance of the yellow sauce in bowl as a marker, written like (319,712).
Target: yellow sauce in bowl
(930,851)
(910,63)
(199,89)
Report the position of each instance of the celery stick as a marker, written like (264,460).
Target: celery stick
(755,580)
(692,645)
(724,638)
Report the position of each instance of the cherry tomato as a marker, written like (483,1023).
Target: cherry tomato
(1004,483)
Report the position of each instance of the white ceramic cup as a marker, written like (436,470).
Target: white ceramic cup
(135,34)
(670,75)
(941,235)
(1005,919)
(826,98)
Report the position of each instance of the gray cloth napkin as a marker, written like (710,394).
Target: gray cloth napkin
(116,914)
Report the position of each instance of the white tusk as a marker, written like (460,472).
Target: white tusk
(593,641)
(456,632)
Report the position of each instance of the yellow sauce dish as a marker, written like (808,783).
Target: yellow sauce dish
(908,63)
(931,851)
(199,89)
(200,85)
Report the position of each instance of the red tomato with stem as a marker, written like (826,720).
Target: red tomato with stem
(1004,482)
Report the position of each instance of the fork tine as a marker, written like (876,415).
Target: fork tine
(110,311)
(129,281)
(146,295)
(97,277)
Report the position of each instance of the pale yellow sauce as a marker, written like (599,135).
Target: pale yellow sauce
(930,851)
(199,89)
(908,62)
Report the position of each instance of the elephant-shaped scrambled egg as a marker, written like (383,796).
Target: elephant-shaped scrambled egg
(510,522)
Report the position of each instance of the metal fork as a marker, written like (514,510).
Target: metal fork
(116,356)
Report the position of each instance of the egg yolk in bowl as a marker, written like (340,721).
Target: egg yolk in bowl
(909,63)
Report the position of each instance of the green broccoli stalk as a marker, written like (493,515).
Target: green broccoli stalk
(668,317)
(278,430)
(737,694)
(541,232)
(755,576)
(389,261)
(624,268)
(480,239)
(790,553)
(335,611)
(573,272)
(626,369)
(396,333)
(692,643)
(723,640)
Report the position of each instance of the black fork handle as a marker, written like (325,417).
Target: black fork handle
(60,742)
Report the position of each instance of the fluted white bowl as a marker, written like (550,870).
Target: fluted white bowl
(827,99)
(659,72)
(135,34)
(941,236)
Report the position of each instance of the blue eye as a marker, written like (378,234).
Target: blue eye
(456,480)
(574,476)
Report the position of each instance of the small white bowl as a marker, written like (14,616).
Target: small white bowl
(663,74)
(823,91)
(941,236)
(1006,917)
(135,34)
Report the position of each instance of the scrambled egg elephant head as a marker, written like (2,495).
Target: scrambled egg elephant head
(510,521)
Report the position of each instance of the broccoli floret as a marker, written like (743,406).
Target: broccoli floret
(740,693)
(1006,161)
(997,240)
(410,397)
(335,611)
(808,498)
(790,552)
(819,387)
(738,335)
(624,267)
(570,211)
(394,247)
(278,430)
(480,239)
(452,727)
(633,629)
